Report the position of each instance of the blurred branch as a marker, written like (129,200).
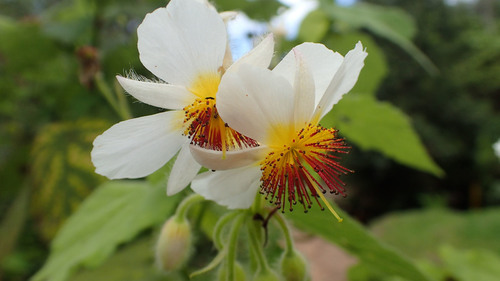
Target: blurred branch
(13,223)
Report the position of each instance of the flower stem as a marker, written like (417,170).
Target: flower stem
(286,232)
(257,204)
(231,250)
(122,100)
(112,99)
(184,206)
(257,246)
(219,226)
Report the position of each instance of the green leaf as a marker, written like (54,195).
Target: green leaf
(314,26)
(375,68)
(355,239)
(471,265)
(478,229)
(388,22)
(6,22)
(62,172)
(134,262)
(13,222)
(70,21)
(115,213)
(374,125)
(255,9)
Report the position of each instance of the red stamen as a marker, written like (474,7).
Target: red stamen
(206,129)
(294,172)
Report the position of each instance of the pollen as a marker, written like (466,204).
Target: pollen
(304,168)
(202,123)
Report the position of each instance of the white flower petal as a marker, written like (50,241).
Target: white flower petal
(260,56)
(343,81)
(137,147)
(157,94)
(182,41)
(183,171)
(235,189)
(228,15)
(216,160)
(322,62)
(303,92)
(255,102)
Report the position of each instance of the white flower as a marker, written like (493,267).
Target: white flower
(185,45)
(297,158)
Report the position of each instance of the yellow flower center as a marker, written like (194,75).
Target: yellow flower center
(304,166)
(202,122)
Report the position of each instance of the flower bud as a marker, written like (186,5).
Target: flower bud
(174,243)
(293,266)
(266,275)
(239,273)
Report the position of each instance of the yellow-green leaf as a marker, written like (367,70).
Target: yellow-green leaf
(62,173)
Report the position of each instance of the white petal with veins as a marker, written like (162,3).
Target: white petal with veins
(255,102)
(182,41)
(322,62)
(216,160)
(137,147)
(157,94)
(343,81)
(260,56)
(235,189)
(303,92)
(184,170)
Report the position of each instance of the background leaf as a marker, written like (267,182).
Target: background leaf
(62,173)
(133,262)
(115,213)
(374,125)
(70,21)
(375,69)
(314,26)
(477,229)
(471,265)
(450,246)
(390,23)
(12,224)
(355,239)
(255,9)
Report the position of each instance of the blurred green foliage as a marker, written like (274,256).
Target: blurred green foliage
(450,246)
(456,112)
(58,56)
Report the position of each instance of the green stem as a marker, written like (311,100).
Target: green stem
(257,247)
(257,204)
(219,226)
(122,100)
(231,250)
(184,206)
(108,94)
(286,232)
